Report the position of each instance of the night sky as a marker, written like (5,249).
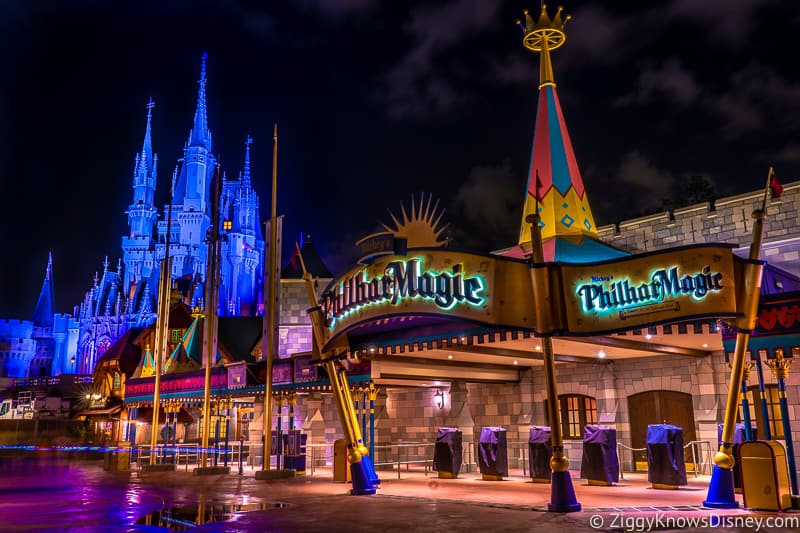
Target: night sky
(375,101)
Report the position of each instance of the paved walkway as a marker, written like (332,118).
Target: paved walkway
(81,497)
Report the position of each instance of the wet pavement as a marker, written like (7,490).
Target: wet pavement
(60,494)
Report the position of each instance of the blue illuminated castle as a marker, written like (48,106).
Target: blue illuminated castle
(127,297)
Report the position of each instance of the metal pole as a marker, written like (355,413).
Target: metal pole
(780,369)
(763,393)
(268,340)
(227,427)
(720,490)
(373,395)
(748,427)
(562,492)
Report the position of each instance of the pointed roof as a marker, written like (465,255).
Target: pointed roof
(46,304)
(312,259)
(188,353)
(555,186)
(246,172)
(200,135)
(147,144)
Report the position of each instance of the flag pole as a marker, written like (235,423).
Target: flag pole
(720,490)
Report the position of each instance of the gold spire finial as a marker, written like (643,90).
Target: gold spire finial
(542,36)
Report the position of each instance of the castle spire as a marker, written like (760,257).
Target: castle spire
(200,134)
(246,173)
(147,144)
(555,186)
(46,305)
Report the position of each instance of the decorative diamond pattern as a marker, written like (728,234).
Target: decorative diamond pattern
(567,220)
(587,224)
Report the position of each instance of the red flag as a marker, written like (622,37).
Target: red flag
(775,186)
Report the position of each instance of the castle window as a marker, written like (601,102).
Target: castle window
(175,336)
(117,381)
(576,412)
(773,410)
(227,225)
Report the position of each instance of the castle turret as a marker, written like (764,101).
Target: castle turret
(43,316)
(142,213)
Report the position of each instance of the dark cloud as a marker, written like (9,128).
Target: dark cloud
(417,87)
(652,184)
(488,206)
(731,20)
(670,81)
(336,7)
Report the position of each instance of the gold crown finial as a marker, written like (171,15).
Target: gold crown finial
(551,30)
(542,36)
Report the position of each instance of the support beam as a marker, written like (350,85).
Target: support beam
(523,354)
(628,344)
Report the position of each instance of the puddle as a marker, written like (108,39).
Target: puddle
(186,517)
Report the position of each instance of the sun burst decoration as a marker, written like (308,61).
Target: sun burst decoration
(422,229)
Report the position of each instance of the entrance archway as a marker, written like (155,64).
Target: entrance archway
(659,407)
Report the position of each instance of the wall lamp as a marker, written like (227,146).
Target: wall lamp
(439,397)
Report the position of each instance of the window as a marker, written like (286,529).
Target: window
(773,410)
(576,412)
(175,336)
(227,225)
(117,381)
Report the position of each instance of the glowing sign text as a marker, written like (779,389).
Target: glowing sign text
(605,294)
(402,279)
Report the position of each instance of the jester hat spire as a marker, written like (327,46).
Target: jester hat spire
(555,186)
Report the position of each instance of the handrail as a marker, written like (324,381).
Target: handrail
(700,448)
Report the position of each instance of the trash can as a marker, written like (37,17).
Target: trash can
(119,459)
(294,445)
(739,437)
(540,450)
(341,466)
(447,453)
(666,468)
(765,476)
(600,465)
(493,453)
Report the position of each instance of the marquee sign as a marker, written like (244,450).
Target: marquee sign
(678,284)
(431,282)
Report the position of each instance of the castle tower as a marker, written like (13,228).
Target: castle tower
(142,213)
(243,249)
(192,193)
(43,317)
(555,186)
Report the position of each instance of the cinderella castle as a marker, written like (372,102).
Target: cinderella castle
(126,296)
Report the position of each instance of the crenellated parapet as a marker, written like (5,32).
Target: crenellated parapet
(727,220)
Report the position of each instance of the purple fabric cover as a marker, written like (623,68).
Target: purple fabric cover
(665,455)
(447,451)
(600,461)
(540,449)
(493,452)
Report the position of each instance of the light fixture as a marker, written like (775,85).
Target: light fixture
(439,397)
(450,356)
(705,345)
(601,354)
(648,336)
(72,360)
(538,348)
(516,362)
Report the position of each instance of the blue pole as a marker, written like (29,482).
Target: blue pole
(363,392)
(216,436)
(763,393)
(372,394)
(787,433)
(227,427)
(748,428)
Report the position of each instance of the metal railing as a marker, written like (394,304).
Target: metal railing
(190,454)
(407,453)
(702,456)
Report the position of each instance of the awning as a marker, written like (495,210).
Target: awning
(146,415)
(101,412)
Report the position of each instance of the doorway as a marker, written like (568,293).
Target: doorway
(659,407)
